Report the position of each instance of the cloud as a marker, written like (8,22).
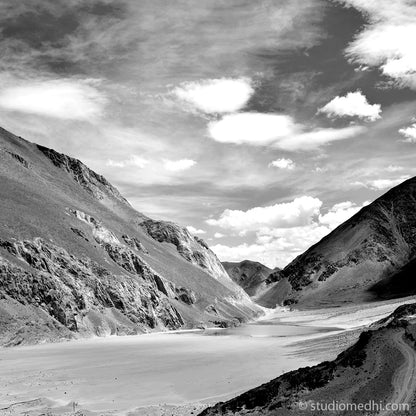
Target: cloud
(131,161)
(194,230)
(354,104)
(289,214)
(64,99)
(387,41)
(281,131)
(316,138)
(409,133)
(381,184)
(178,165)
(278,246)
(219,235)
(339,213)
(393,168)
(224,95)
(251,128)
(283,164)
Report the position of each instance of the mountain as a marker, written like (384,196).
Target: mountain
(358,261)
(77,260)
(250,275)
(380,367)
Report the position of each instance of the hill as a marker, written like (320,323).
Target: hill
(77,260)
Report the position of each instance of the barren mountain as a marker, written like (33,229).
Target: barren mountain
(361,260)
(250,275)
(380,368)
(76,259)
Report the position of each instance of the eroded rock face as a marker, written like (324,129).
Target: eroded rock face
(134,243)
(70,289)
(96,184)
(192,249)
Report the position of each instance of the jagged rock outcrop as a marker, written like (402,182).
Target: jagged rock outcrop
(70,289)
(191,248)
(96,184)
(369,248)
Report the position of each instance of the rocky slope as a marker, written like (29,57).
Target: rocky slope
(380,367)
(250,275)
(77,260)
(365,252)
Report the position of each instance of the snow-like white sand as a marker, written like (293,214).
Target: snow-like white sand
(124,373)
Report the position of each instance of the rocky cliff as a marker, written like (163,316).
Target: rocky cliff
(77,260)
(370,248)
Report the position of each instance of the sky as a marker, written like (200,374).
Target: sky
(260,125)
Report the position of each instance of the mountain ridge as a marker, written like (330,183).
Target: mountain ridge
(343,267)
(75,259)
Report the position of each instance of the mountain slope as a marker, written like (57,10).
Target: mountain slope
(380,367)
(343,267)
(77,259)
(250,275)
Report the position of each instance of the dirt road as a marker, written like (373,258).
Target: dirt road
(404,381)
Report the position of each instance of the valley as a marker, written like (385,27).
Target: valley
(174,372)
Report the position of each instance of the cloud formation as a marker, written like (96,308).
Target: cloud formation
(195,231)
(381,184)
(277,246)
(133,160)
(224,95)
(178,165)
(277,130)
(354,104)
(289,214)
(409,133)
(61,98)
(387,42)
(283,164)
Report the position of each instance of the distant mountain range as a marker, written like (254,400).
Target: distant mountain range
(76,259)
(250,275)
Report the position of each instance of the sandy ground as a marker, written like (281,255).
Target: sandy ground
(172,374)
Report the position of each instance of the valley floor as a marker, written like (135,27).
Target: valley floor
(174,373)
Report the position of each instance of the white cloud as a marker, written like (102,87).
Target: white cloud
(194,230)
(178,165)
(278,246)
(131,161)
(340,213)
(387,42)
(283,164)
(64,99)
(251,128)
(381,184)
(224,95)
(219,235)
(409,133)
(393,168)
(278,130)
(354,104)
(317,138)
(289,214)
